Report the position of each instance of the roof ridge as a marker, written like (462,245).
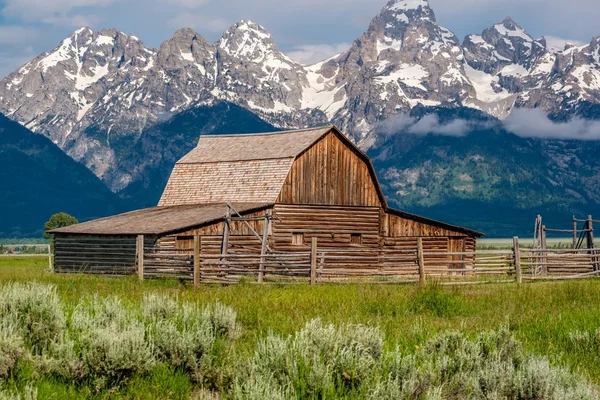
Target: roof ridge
(227,135)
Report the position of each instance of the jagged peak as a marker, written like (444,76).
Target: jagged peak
(250,27)
(508,27)
(407,11)
(187,34)
(245,38)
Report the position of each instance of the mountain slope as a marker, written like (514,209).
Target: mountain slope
(158,148)
(483,176)
(99,88)
(38,180)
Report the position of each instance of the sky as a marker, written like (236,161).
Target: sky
(307,30)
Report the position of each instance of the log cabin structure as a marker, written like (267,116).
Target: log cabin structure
(253,193)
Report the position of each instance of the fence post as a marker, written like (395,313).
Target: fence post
(313,261)
(197,252)
(50,265)
(140,256)
(574,232)
(544,254)
(517,254)
(421,260)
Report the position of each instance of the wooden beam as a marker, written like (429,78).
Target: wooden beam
(265,242)
(544,247)
(140,256)
(574,232)
(421,260)
(226,231)
(313,261)
(517,256)
(197,255)
(50,266)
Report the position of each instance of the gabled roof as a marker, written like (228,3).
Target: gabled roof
(160,220)
(246,167)
(257,146)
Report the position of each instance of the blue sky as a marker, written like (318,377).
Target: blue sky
(305,29)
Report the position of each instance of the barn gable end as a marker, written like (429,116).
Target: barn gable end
(332,172)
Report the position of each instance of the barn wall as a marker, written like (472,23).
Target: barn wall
(396,226)
(241,237)
(332,226)
(96,254)
(330,173)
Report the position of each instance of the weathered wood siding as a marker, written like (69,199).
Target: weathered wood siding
(332,226)
(96,254)
(396,226)
(330,173)
(241,237)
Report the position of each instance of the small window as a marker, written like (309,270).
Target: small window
(356,239)
(297,239)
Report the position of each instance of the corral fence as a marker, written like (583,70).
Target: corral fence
(321,265)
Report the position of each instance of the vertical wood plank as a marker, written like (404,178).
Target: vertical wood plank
(263,249)
(197,255)
(517,255)
(544,254)
(313,261)
(421,261)
(574,232)
(50,266)
(140,256)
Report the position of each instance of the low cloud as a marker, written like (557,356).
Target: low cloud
(200,22)
(534,123)
(558,44)
(51,12)
(313,53)
(429,124)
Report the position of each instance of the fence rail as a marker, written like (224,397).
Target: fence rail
(321,265)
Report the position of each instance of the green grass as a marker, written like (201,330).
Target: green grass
(541,315)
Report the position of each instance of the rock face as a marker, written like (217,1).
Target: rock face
(97,92)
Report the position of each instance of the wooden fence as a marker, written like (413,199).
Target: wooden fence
(321,265)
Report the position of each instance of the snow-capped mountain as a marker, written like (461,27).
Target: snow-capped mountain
(97,92)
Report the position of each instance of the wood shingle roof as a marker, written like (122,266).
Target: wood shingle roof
(159,220)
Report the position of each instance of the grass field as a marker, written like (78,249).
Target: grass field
(544,316)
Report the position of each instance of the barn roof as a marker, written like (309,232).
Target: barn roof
(159,220)
(433,222)
(257,146)
(248,167)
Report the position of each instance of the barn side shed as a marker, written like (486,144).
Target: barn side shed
(302,184)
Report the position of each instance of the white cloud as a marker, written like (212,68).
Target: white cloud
(534,123)
(200,22)
(558,44)
(429,124)
(56,12)
(188,3)
(13,34)
(312,53)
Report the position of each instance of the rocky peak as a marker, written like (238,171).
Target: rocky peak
(501,45)
(248,41)
(186,47)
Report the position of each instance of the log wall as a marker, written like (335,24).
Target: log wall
(330,173)
(96,254)
(334,227)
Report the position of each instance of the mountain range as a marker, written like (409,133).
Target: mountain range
(434,112)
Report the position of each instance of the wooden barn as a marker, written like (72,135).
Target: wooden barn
(256,194)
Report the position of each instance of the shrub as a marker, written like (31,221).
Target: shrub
(492,366)
(35,310)
(109,339)
(186,336)
(12,348)
(321,360)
